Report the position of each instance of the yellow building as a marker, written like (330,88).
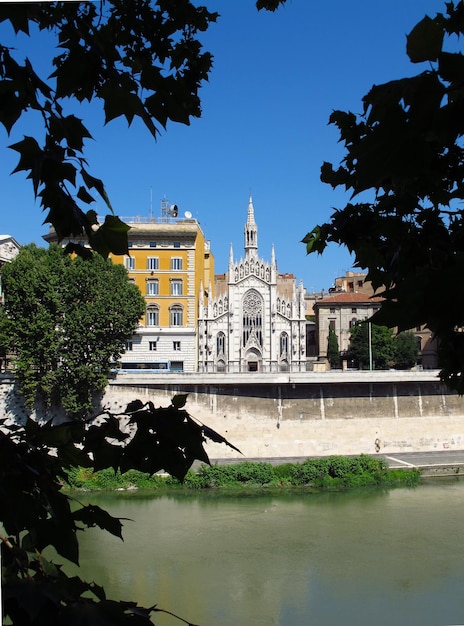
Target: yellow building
(171,263)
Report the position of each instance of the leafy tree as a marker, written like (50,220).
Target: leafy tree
(406,350)
(142,60)
(35,514)
(69,320)
(382,345)
(333,351)
(404,161)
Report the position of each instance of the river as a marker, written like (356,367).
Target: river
(362,558)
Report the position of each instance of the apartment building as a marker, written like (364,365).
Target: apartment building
(339,313)
(169,260)
(350,300)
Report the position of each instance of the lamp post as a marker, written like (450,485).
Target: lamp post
(369,328)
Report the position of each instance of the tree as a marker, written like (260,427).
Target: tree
(406,350)
(404,161)
(141,60)
(69,322)
(381,346)
(333,351)
(35,514)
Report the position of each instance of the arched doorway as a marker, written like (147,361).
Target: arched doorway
(253,360)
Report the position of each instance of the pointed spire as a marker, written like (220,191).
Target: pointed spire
(251,231)
(231,255)
(272,255)
(251,211)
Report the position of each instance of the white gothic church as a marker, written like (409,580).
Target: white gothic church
(256,322)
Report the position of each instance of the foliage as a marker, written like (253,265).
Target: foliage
(90,480)
(69,320)
(382,346)
(404,164)
(339,471)
(235,473)
(38,515)
(333,351)
(333,472)
(141,59)
(406,350)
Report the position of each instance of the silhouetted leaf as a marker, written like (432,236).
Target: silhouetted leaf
(92,515)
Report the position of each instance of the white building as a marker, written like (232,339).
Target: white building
(256,322)
(9,248)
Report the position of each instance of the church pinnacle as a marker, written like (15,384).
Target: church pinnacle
(251,231)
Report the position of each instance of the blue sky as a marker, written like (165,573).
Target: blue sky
(264,129)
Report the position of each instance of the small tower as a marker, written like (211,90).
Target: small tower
(251,232)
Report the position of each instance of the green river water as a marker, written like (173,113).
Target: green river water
(362,558)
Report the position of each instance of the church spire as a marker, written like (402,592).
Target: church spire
(251,231)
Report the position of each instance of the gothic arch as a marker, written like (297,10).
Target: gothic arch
(252,319)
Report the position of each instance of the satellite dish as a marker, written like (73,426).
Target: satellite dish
(187,214)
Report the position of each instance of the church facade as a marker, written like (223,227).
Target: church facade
(257,320)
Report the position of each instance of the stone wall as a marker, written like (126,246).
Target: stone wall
(300,415)
(312,415)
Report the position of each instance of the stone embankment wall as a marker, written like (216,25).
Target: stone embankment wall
(310,414)
(307,414)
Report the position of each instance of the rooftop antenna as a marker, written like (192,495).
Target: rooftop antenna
(168,210)
(164,207)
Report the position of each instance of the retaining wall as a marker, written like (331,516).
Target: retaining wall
(307,414)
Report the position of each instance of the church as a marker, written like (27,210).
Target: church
(256,321)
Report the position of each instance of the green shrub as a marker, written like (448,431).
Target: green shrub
(254,473)
(334,472)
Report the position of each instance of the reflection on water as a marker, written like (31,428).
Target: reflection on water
(363,558)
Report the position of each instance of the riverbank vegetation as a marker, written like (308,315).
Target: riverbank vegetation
(325,473)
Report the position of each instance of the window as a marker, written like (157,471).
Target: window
(129,346)
(176,287)
(152,287)
(152,244)
(252,322)
(332,310)
(152,263)
(177,366)
(220,343)
(129,263)
(353,322)
(332,325)
(177,244)
(353,310)
(176,315)
(283,348)
(153,345)
(176,263)
(360,283)
(176,346)
(152,316)
(350,286)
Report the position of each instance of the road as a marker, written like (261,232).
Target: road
(437,459)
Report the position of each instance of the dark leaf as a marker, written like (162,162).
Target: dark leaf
(93,515)
(424,42)
(179,401)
